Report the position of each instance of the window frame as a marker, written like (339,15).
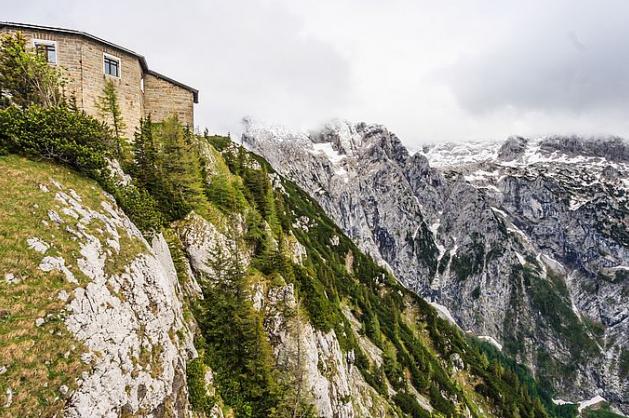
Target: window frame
(110,57)
(47,42)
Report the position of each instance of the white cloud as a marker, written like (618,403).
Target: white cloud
(430,71)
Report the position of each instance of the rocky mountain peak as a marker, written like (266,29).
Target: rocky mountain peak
(513,148)
(336,140)
(610,148)
(495,233)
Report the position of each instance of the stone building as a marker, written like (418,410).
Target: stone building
(89,62)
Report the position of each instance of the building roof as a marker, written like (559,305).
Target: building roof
(86,35)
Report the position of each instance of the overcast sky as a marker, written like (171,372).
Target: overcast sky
(431,71)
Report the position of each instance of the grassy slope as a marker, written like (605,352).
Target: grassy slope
(39,360)
(603,412)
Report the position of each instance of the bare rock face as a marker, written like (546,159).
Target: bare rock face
(204,245)
(336,387)
(612,148)
(524,243)
(513,148)
(128,320)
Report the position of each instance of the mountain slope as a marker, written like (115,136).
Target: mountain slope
(524,243)
(177,275)
(289,315)
(393,351)
(90,314)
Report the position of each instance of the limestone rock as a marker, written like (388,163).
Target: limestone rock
(49,263)
(130,322)
(37,245)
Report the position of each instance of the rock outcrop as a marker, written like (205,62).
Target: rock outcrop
(129,321)
(107,295)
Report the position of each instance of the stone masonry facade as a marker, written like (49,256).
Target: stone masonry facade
(141,92)
(165,99)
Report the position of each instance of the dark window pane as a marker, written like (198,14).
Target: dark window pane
(112,66)
(52,54)
(48,51)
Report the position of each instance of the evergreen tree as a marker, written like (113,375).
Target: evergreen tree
(372,329)
(109,108)
(179,169)
(224,194)
(145,156)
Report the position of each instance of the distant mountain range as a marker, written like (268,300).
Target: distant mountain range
(524,243)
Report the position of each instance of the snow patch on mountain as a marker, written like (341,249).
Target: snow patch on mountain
(326,148)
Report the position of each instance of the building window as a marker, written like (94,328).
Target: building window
(111,65)
(47,49)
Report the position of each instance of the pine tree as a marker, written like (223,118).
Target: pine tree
(222,192)
(145,156)
(109,108)
(180,169)
(372,329)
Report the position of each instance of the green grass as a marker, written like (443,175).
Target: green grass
(41,359)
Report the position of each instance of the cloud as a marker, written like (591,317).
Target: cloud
(568,64)
(430,71)
(245,57)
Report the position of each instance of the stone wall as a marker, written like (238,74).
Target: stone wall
(82,61)
(163,99)
(128,85)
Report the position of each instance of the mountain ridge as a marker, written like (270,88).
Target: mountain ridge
(441,216)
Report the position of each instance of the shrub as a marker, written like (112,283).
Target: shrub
(56,134)
(199,398)
(72,138)
(139,206)
(409,405)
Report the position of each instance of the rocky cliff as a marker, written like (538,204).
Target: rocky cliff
(91,320)
(525,243)
(346,340)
